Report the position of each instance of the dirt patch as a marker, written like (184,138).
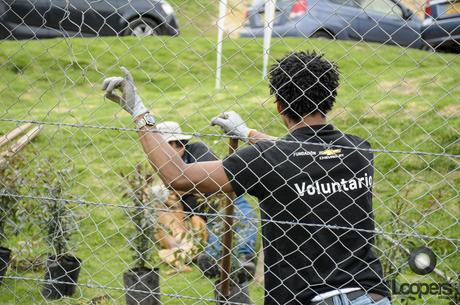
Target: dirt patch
(404,87)
(403,110)
(413,111)
(417,108)
(382,108)
(450,111)
(338,113)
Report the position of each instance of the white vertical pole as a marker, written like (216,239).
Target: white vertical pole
(220,36)
(270,6)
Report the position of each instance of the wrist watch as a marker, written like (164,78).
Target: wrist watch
(146,120)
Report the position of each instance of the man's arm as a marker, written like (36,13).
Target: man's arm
(206,177)
(254,136)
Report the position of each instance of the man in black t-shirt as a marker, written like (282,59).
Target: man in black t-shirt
(314,186)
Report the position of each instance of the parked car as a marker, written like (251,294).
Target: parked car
(384,21)
(442,25)
(79,18)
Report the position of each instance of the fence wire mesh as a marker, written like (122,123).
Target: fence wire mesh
(85,219)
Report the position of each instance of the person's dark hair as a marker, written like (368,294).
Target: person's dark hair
(304,83)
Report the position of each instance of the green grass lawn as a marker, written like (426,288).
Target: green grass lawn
(397,99)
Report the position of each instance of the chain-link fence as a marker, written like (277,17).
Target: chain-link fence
(84,218)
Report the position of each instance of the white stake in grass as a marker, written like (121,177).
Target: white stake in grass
(269,19)
(220,36)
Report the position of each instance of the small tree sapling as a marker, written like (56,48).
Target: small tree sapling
(8,205)
(58,221)
(142,216)
(10,182)
(141,282)
(57,217)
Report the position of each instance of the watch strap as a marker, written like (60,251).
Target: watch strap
(146,120)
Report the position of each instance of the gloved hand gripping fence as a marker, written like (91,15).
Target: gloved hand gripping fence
(232,124)
(129,99)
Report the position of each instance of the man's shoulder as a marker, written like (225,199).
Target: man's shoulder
(356,141)
(263,146)
(250,152)
(196,145)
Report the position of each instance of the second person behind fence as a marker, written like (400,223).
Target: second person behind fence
(245,227)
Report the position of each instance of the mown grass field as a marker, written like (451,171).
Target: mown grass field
(397,99)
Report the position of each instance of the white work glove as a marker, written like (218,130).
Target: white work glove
(232,124)
(129,99)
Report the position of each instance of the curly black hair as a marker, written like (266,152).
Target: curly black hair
(304,83)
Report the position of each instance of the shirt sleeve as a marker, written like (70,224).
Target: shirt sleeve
(245,169)
(200,152)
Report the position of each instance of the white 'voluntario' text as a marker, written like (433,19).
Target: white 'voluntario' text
(327,188)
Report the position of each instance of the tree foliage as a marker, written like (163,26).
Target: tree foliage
(142,215)
(56,216)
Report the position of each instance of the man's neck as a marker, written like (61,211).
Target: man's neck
(308,120)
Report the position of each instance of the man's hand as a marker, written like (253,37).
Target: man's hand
(129,99)
(232,124)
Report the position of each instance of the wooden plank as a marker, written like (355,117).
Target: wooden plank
(13,134)
(228,236)
(19,145)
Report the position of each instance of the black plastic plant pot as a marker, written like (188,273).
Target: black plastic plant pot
(239,293)
(61,276)
(142,286)
(5,255)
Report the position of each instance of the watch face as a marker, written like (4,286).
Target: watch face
(149,120)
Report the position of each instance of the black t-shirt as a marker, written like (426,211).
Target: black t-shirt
(195,152)
(305,192)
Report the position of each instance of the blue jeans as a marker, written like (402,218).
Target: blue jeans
(245,231)
(342,299)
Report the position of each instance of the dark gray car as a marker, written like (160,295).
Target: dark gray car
(384,21)
(45,18)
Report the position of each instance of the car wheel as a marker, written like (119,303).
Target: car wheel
(321,34)
(142,27)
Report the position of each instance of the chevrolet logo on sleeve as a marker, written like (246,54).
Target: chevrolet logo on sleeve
(330,154)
